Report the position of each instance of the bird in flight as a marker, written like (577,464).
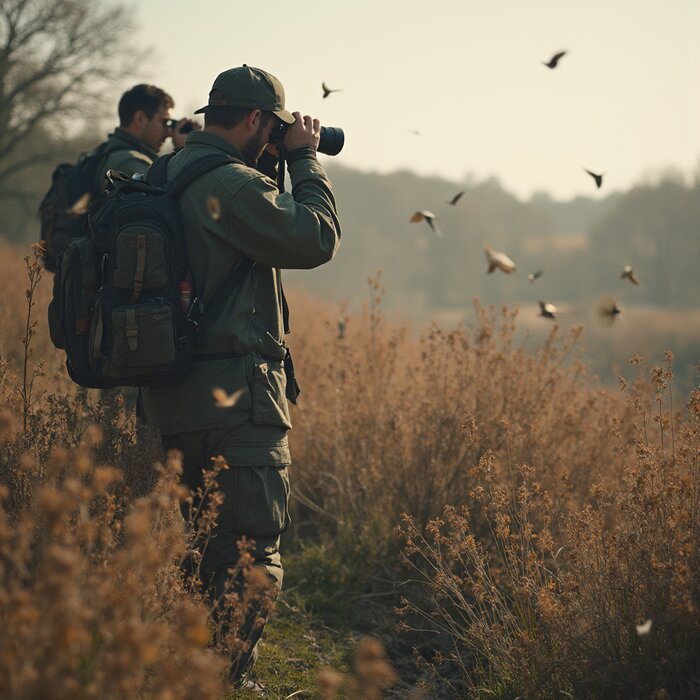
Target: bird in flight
(547,310)
(415,132)
(429,217)
(455,199)
(327,91)
(225,400)
(552,63)
(535,275)
(598,178)
(80,207)
(214,207)
(608,310)
(498,261)
(628,272)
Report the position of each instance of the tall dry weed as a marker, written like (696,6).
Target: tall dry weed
(42,407)
(92,605)
(390,423)
(607,604)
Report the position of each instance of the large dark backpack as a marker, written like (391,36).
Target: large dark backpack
(116,307)
(63,210)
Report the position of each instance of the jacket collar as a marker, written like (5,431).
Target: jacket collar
(131,142)
(197,139)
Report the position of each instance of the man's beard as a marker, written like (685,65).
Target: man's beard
(253,147)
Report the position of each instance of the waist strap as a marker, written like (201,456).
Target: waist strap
(212,356)
(209,357)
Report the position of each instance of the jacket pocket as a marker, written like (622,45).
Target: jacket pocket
(269,401)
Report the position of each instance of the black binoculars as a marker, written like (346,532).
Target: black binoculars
(184,129)
(331,142)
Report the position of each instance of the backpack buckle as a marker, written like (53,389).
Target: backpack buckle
(196,311)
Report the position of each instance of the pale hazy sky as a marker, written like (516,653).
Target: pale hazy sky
(467,75)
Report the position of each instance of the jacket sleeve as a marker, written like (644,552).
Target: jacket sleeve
(300,230)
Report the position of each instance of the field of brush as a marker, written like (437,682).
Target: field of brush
(470,497)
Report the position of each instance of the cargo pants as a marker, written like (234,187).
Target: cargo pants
(255,506)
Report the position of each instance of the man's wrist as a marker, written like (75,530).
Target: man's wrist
(300,153)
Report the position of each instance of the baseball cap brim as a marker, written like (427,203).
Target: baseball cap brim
(285,116)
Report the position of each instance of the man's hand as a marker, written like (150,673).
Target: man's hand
(178,137)
(304,133)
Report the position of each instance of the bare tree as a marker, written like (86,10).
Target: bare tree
(58,60)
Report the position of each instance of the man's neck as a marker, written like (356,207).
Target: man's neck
(232,136)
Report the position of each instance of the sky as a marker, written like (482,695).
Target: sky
(468,76)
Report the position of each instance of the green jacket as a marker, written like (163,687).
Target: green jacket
(130,156)
(250,218)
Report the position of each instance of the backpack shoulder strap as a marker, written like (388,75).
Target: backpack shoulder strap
(158,172)
(224,292)
(196,169)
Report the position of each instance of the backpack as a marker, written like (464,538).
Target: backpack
(117,308)
(63,210)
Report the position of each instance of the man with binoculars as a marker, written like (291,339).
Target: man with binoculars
(145,123)
(239,225)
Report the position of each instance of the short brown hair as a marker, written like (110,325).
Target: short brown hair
(146,98)
(228,117)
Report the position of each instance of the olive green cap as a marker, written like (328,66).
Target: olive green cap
(248,88)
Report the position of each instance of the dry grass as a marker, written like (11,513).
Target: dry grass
(389,424)
(92,603)
(572,514)
(602,601)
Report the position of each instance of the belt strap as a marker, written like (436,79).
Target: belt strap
(211,356)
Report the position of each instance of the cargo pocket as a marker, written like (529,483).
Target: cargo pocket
(142,341)
(140,263)
(269,401)
(262,501)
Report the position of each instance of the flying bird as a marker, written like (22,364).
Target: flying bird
(628,272)
(455,199)
(415,132)
(644,628)
(547,310)
(498,260)
(607,310)
(214,207)
(535,275)
(598,178)
(80,206)
(224,400)
(554,60)
(428,216)
(327,91)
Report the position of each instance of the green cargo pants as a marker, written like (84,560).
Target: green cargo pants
(255,506)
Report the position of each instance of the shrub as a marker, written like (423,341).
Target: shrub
(93,605)
(608,604)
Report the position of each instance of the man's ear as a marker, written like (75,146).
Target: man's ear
(253,120)
(139,120)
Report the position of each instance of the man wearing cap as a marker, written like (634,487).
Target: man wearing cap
(231,215)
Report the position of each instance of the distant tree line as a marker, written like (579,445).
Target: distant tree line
(582,244)
(60,61)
